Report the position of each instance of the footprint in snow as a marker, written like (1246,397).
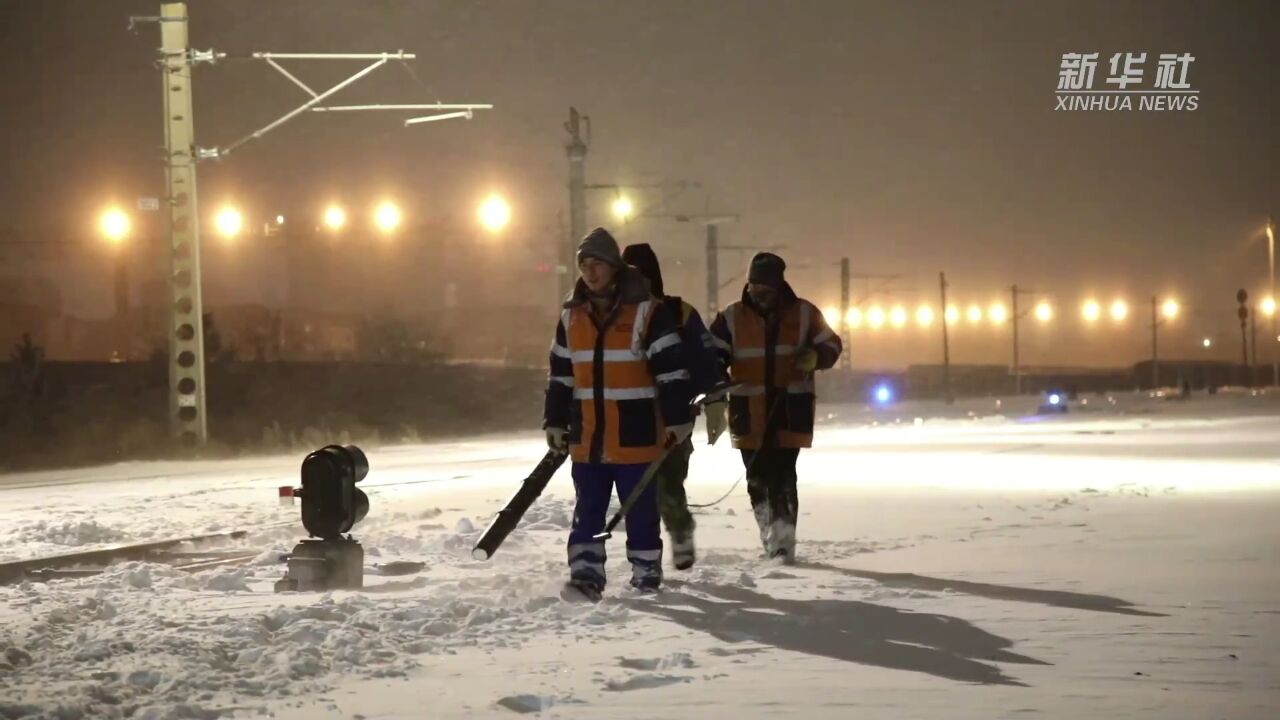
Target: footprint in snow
(643,681)
(527,703)
(674,660)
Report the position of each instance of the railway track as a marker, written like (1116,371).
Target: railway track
(190,553)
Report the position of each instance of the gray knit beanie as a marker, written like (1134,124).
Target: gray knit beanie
(599,244)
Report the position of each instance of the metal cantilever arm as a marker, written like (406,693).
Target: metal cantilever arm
(397,55)
(425,106)
(316,99)
(315,104)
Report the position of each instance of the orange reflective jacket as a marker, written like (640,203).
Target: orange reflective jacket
(774,406)
(616,385)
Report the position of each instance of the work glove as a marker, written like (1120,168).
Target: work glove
(677,434)
(558,439)
(717,420)
(807,360)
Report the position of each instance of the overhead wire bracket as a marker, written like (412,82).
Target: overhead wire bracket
(316,103)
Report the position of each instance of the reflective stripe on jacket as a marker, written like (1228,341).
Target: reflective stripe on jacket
(617,384)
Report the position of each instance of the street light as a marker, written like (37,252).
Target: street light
(898,316)
(1091,311)
(1044,312)
(1208,343)
(853,318)
(924,316)
(495,213)
(387,216)
(998,314)
(875,318)
(1119,310)
(114,225)
(1170,309)
(622,208)
(229,222)
(335,217)
(832,314)
(1268,306)
(952,314)
(975,314)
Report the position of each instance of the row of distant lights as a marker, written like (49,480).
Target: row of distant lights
(997,314)
(877,317)
(925,316)
(386,217)
(494,213)
(115,224)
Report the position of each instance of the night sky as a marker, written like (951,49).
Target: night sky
(912,137)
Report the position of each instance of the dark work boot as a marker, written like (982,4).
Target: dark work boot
(682,552)
(581,591)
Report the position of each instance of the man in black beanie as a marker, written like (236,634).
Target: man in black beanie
(772,342)
(700,360)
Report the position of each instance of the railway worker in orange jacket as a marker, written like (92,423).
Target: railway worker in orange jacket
(772,342)
(617,399)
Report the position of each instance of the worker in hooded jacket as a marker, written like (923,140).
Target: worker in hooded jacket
(704,371)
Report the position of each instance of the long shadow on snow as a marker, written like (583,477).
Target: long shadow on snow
(846,630)
(1056,598)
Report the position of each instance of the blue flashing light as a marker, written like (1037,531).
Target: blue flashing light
(883,394)
(1055,399)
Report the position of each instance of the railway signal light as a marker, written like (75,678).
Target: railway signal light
(331,502)
(331,506)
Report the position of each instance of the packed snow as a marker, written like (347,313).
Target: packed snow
(977,560)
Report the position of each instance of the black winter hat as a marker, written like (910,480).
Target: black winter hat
(766,269)
(642,257)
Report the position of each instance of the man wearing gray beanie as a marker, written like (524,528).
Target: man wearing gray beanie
(618,396)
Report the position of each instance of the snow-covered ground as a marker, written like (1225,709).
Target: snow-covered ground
(967,562)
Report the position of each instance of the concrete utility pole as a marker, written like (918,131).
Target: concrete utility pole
(187,414)
(576,149)
(713,259)
(713,271)
(1155,346)
(1275,314)
(846,361)
(713,248)
(186,326)
(946,343)
(122,293)
(1253,340)
(1242,312)
(1016,317)
(1017,364)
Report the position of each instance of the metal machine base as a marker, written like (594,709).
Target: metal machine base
(324,565)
